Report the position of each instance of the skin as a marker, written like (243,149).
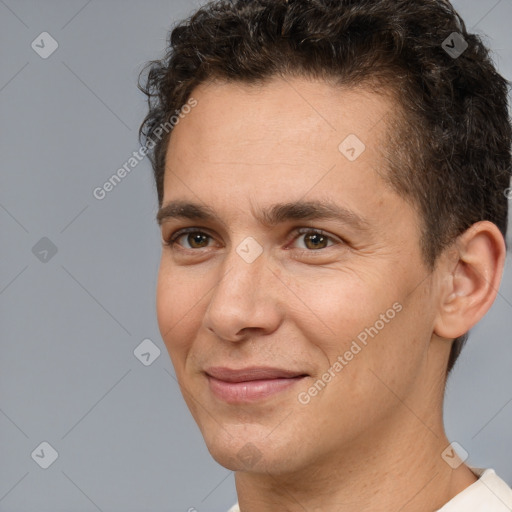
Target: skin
(372,438)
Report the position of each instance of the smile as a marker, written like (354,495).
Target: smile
(250,384)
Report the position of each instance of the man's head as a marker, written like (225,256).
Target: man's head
(448,147)
(358,106)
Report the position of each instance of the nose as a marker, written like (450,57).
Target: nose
(245,302)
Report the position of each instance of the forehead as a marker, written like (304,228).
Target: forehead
(231,118)
(280,141)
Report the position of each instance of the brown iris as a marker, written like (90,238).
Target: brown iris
(317,239)
(197,238)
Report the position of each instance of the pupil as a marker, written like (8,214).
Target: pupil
(319,239)
(196,239)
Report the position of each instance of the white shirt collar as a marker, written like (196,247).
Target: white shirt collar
(488,494)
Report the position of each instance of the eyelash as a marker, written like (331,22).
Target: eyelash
(299,231)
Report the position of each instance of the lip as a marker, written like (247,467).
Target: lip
(250,384)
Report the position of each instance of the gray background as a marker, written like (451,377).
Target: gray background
(69,326)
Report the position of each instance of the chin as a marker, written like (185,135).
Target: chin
(251,450)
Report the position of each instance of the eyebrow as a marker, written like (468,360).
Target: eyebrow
(271,216)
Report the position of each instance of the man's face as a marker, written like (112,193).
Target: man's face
(255,315)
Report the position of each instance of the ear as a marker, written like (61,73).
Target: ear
(472,279)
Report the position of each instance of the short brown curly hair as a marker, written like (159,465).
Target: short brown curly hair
(449,150)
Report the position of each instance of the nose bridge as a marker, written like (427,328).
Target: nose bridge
(242,298)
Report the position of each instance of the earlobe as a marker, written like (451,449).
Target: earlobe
(472,280)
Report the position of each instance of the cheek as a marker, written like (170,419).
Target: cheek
(381,331)
(339,305)
(178,301)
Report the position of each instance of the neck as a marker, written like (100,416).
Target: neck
(396,465)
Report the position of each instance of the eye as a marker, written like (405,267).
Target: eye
(195,238)
(315,239)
